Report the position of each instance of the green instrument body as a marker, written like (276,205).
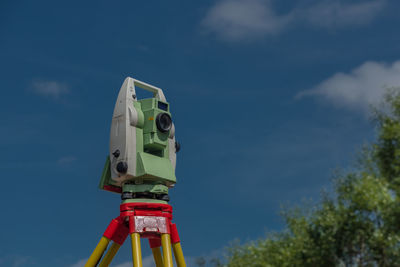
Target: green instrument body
(143,149)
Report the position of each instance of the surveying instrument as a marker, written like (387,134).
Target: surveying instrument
(141,167)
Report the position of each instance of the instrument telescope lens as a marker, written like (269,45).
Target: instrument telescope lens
(163,122)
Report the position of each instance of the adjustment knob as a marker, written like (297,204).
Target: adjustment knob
(116,153)
(122,167)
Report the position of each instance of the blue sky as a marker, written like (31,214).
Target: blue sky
(268,97)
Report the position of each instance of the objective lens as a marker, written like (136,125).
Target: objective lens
(163,122)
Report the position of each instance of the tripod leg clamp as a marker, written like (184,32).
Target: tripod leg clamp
(117,231)
(174,234)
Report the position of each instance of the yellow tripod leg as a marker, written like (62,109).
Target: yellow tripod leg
(180,260)
(98,252)
(136,250)
(109,255)
(166,245)
(157,257)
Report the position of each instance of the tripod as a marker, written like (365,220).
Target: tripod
(141,220)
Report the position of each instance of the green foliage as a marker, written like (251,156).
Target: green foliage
(200,261)
(386,152)
(358,226)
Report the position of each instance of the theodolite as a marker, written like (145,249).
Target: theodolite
(141,167)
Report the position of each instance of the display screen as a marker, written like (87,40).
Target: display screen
(163,106)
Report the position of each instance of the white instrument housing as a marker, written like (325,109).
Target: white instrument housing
(126,118)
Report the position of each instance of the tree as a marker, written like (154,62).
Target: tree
(359,225)
(200,261)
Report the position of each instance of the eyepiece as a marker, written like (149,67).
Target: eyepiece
(163,122)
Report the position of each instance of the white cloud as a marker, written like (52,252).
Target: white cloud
(245,19)
(16,260)
(238,19)
(330,14)
(128,264)
(49,88)
(361,87)
(147,262)
(66,160)
(80,263)
(21,261)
